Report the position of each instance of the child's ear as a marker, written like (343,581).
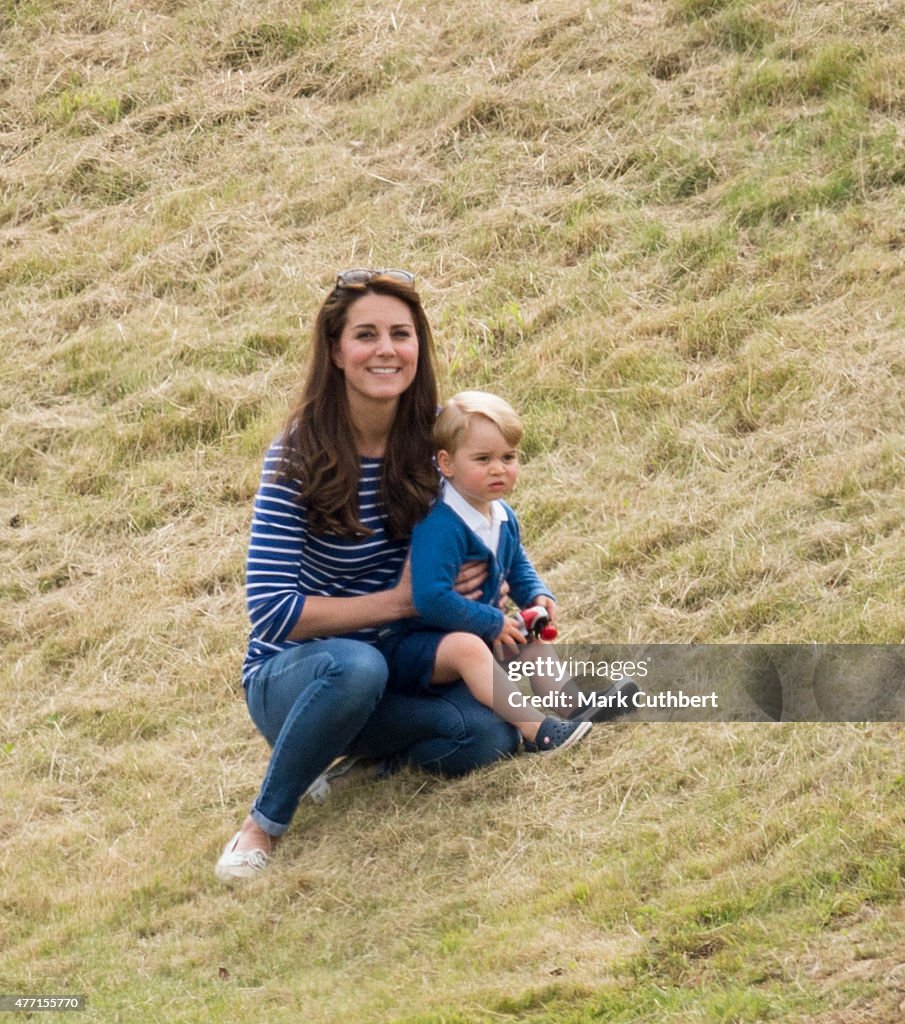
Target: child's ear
(443,461)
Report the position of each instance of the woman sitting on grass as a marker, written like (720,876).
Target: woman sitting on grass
(341,491)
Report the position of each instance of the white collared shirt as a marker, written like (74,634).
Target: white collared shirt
(487,530)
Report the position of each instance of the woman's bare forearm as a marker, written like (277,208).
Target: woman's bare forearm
(332,616)
(329,616)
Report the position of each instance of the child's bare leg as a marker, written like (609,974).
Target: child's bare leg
(548,673)
(548,676)
(466,656)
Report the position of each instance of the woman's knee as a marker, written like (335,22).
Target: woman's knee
(355,672)
(481,737)
(493,739)
(359,670)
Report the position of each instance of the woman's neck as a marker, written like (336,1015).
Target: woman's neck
(371,426)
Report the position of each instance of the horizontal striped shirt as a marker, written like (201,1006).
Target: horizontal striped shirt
(286,562)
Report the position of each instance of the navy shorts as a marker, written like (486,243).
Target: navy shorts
(411,656)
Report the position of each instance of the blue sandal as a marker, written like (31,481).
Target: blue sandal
(556,734)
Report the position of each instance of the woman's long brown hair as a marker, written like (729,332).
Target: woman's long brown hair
(320,452)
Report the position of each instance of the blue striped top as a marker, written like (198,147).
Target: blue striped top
(286,563)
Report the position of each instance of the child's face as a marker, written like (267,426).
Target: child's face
(484,466)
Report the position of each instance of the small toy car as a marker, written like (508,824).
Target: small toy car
(536,624)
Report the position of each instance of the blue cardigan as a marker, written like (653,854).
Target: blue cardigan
(441,544)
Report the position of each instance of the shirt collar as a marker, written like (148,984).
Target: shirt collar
(471,516)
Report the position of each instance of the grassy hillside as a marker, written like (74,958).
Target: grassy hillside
(671,233)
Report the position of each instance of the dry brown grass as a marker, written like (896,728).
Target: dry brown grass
(671,234)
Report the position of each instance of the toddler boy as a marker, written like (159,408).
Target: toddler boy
(476,438)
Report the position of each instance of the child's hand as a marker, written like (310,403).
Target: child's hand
(507,640)
(547,603)
(511,633)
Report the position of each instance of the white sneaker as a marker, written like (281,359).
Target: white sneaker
(319,790)
(234,864)
(341,768)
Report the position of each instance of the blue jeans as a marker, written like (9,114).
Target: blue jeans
(449,734)
(322,699)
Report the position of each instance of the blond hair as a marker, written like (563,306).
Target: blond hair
(456,415)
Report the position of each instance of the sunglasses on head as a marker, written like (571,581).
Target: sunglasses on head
(347,278)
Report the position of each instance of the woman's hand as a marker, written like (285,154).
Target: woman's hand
(470,581)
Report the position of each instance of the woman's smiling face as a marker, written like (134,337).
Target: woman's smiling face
(377,350)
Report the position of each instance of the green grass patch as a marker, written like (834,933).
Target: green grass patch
(777,201)
(268,41)
(85,109)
